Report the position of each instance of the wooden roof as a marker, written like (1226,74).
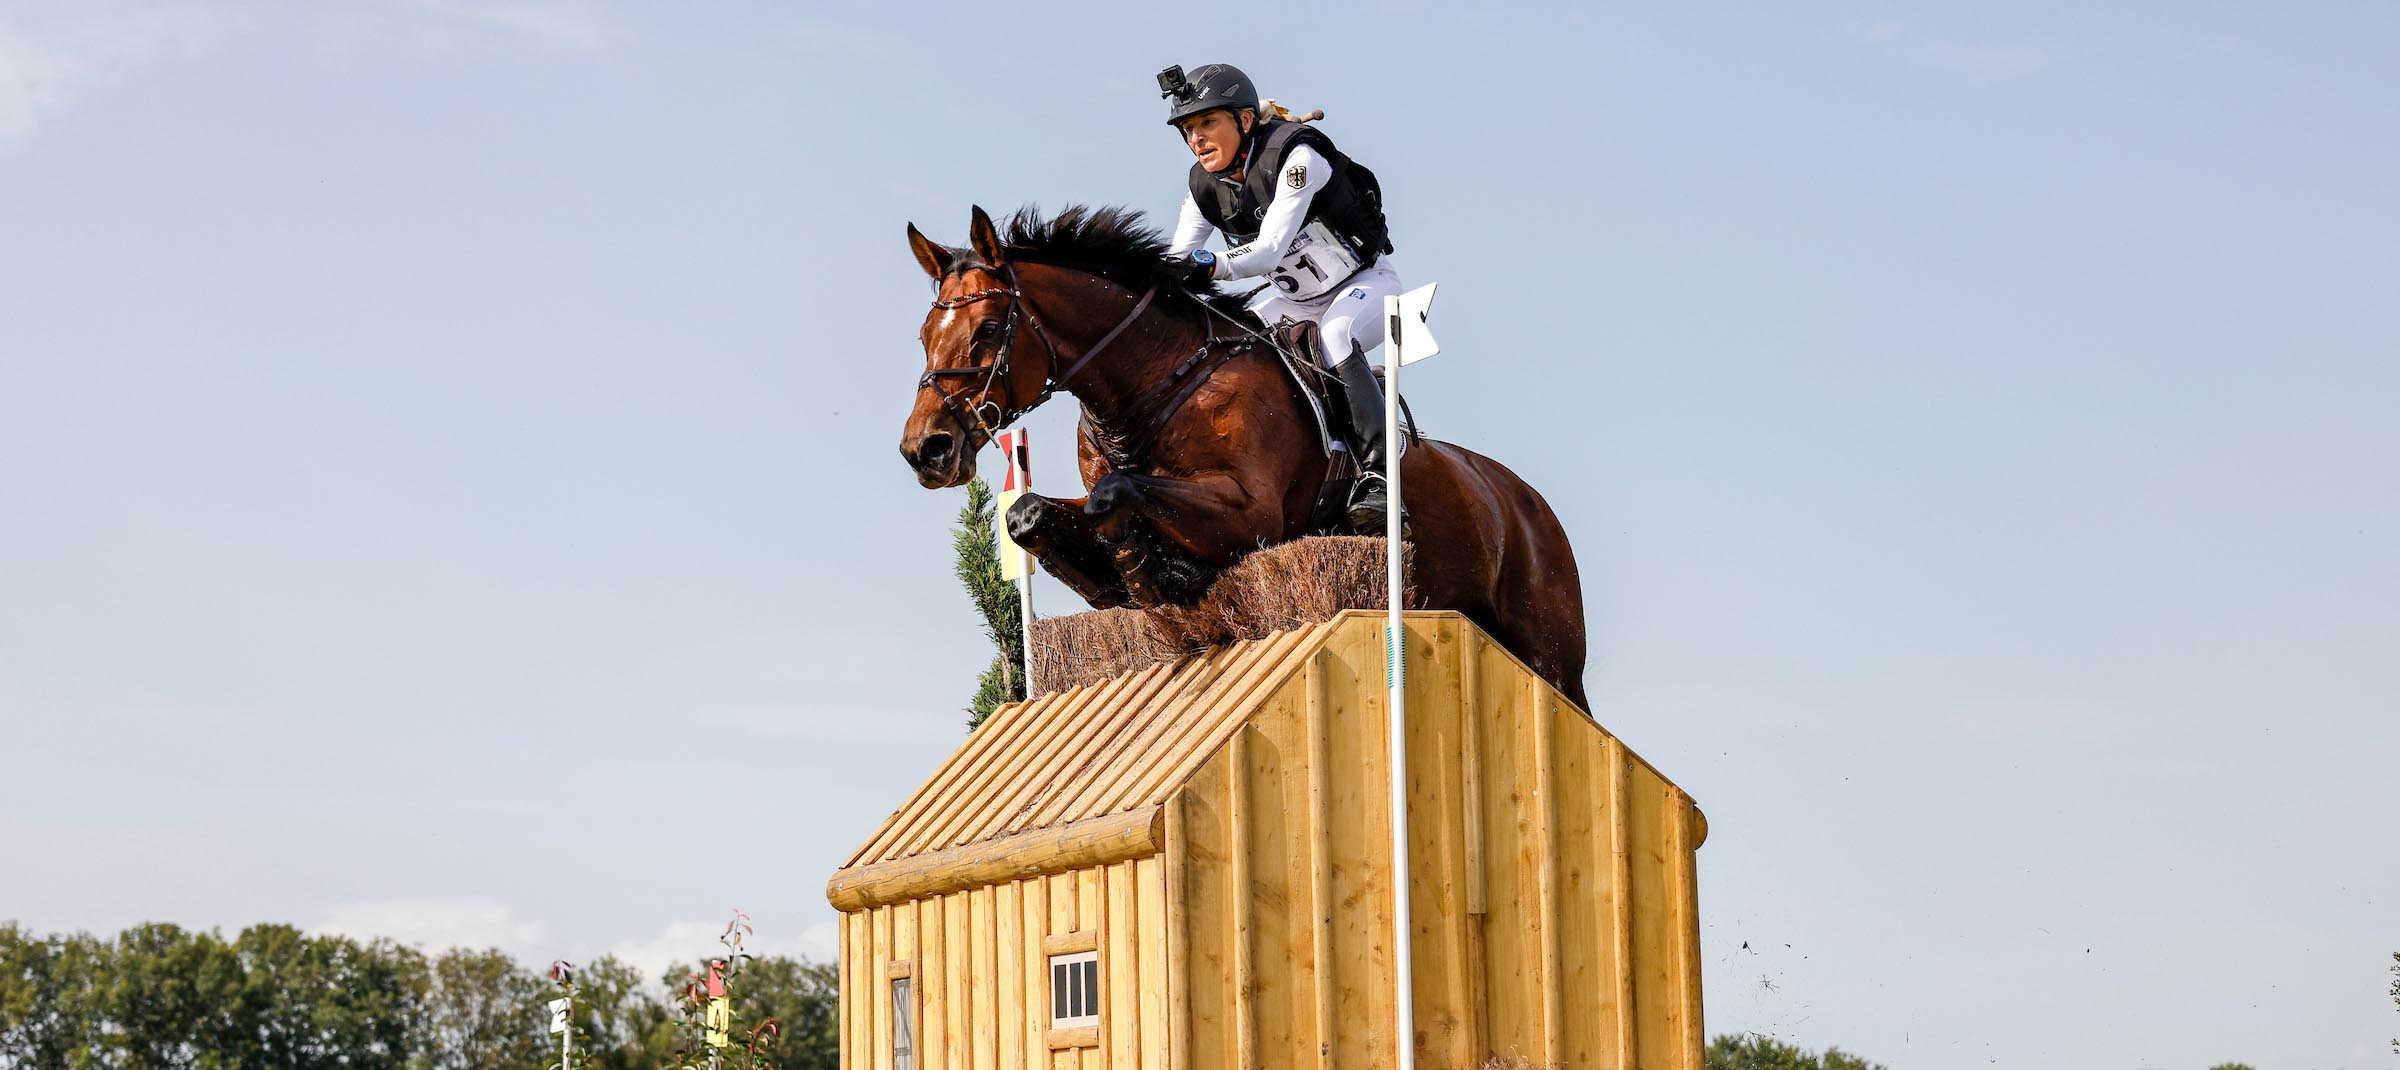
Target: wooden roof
(1112,747)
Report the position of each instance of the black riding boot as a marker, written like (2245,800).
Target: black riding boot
(1365,397)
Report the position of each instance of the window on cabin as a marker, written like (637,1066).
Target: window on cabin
(904,1026)
(1075,990)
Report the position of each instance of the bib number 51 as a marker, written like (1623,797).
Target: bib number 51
(1317,262)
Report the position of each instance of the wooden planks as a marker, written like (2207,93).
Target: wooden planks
(1097,841)
(1321,904)
(1471,804)
(1250,924)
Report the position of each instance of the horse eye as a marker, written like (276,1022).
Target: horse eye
(985,330)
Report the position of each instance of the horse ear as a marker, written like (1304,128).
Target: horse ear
(986,238)
(935,259)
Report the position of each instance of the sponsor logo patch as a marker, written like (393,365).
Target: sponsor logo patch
(1297,176)
(1359,292)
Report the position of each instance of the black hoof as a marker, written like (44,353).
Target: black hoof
(1027,518)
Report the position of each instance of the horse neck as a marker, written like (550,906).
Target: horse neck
(1142,355)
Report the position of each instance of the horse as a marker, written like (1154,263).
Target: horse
(1196,446)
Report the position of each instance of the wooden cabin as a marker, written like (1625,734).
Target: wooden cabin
(1190,867)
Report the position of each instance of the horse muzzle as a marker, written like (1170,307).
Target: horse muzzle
(940,458)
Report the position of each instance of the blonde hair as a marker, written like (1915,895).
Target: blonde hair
(1268,109)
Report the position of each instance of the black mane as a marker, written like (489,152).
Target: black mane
(1116,244)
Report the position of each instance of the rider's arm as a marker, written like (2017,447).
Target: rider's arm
(1191,228)
(1284,216)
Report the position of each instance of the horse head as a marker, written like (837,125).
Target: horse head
(978,378)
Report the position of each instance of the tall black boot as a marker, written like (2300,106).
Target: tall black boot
(1368,500)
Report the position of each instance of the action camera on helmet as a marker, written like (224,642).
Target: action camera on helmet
(1171,83)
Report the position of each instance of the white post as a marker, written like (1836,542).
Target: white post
(1396,678)
(1025,620)
(566,1043)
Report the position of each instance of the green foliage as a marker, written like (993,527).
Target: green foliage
(161,998)
(325,1001)
(755,988)
(995,602)
(619,1024)
(158,997)
(1749,1051)
(804,998)
(484,1014)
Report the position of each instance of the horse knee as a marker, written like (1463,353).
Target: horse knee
(1113,494)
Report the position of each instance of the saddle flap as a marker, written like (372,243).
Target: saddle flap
(1301,345)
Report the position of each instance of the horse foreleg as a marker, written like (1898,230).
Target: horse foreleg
(1212,518)
(1058,531)
(1172,537)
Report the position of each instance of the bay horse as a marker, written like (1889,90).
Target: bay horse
(1196,446)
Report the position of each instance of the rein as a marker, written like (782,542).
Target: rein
(974,415)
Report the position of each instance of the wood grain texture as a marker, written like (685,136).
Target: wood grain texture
(1620,849)
(1082,1036)
(933,996)
(1008,972)
(1536,721)
(1471,705)
(1242,910)
(1093,842)
(1157,984)
(1070,943)
(1320,863)
(1244,903)
(1683,832)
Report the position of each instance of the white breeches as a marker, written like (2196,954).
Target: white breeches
(1353,313)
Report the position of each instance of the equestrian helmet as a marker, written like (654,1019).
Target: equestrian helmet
(1217,85)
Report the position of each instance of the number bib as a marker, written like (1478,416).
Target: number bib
(1316,263)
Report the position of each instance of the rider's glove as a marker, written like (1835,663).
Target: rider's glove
(1197,269)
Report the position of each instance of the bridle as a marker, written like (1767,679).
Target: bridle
(984,415)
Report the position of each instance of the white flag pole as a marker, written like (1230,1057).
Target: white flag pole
(1025,613)
(1395,674)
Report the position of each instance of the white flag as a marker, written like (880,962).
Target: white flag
(1416,341)
(558,1016)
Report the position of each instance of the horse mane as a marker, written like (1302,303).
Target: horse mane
(1117,244)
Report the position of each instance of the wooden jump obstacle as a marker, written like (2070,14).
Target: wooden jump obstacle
(1190,867)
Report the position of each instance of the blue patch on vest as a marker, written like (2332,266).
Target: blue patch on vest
(1357,291)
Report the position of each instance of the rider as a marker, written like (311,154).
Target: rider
(1296,210)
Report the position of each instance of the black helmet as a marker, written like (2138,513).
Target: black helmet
(1217,85)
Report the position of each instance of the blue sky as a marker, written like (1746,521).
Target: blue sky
(448,487)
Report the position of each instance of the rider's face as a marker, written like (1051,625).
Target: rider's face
(1215,137)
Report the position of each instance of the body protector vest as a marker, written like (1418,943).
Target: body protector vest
(1350,204)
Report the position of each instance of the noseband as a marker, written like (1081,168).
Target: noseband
(986,416)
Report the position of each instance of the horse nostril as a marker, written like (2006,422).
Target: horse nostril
(934,451)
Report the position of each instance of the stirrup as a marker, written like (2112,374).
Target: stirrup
(1369,510)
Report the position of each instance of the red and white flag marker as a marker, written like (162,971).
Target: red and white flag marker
(1015,563)
(1411,342)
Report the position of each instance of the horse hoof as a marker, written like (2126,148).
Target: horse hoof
(1027,518)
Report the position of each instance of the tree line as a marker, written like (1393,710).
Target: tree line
(161,997)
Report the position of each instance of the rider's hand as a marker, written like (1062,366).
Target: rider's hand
(1197,269)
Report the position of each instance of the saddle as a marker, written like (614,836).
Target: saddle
(1298,343)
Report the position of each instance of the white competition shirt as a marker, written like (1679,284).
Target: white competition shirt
(1275,233)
